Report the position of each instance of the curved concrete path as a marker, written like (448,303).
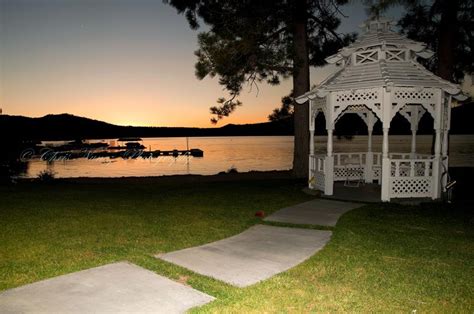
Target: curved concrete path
(249,257)
(263,251)
(253,255)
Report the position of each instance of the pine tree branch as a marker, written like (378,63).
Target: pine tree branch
(279,68)
(322,25)
(336,7)
(278,32)
(251,81)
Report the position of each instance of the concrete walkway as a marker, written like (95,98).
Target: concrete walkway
(253,255)
(247,258)
(114,288)
(319,212)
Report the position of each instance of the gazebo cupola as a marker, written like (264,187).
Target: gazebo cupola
(379,76)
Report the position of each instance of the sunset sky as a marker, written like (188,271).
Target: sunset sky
(127,62)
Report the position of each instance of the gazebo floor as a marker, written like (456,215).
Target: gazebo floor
(365,192)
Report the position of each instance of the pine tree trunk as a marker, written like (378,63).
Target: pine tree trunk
(300,86)
(448,30)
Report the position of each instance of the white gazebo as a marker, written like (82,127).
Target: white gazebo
(379,76)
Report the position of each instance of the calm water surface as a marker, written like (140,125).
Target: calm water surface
(260,153)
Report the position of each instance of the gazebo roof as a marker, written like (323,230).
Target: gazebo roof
(380,58)
(377,33)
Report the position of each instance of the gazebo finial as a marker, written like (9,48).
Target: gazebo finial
(377,24)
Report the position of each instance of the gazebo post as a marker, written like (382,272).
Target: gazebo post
(413,142)
(311,128)
(311,144)
(437,147)
(329,143)
(329,161)
(445,144)
(329,166)
(386,118)
(369,160)
(444,161)
(414,129)
(385,167)
(369,143)
(436,165)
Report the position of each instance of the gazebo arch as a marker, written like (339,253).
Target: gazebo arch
(378,77)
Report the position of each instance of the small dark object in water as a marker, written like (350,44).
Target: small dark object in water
(134,145)
(196,152)
(260,213)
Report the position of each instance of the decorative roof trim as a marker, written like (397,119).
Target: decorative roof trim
(425,54)
(460,97)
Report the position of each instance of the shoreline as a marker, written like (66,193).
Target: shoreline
(180,178)
(462,175)
(223,175)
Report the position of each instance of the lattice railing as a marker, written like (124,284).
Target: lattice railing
(409,156)
(411,177)
(348,165)
(316,172)
(341,170)
(377,173)
(377,166)
(341,159)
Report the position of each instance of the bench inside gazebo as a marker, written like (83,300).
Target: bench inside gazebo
(378,77)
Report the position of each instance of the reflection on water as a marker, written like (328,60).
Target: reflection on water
(220,154)
(260,153)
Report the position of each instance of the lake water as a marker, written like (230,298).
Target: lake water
(260,153)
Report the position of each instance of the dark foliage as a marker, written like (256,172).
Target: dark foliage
(423,23)
(285,111)
(249,42)
(445,26)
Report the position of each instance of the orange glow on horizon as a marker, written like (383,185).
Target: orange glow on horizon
(125,65)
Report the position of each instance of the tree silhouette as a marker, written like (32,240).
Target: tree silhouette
(248,42)
(286,110)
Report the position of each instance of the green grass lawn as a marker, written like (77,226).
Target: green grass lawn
(383,258)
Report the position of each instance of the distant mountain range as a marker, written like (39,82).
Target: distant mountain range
(70,127)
